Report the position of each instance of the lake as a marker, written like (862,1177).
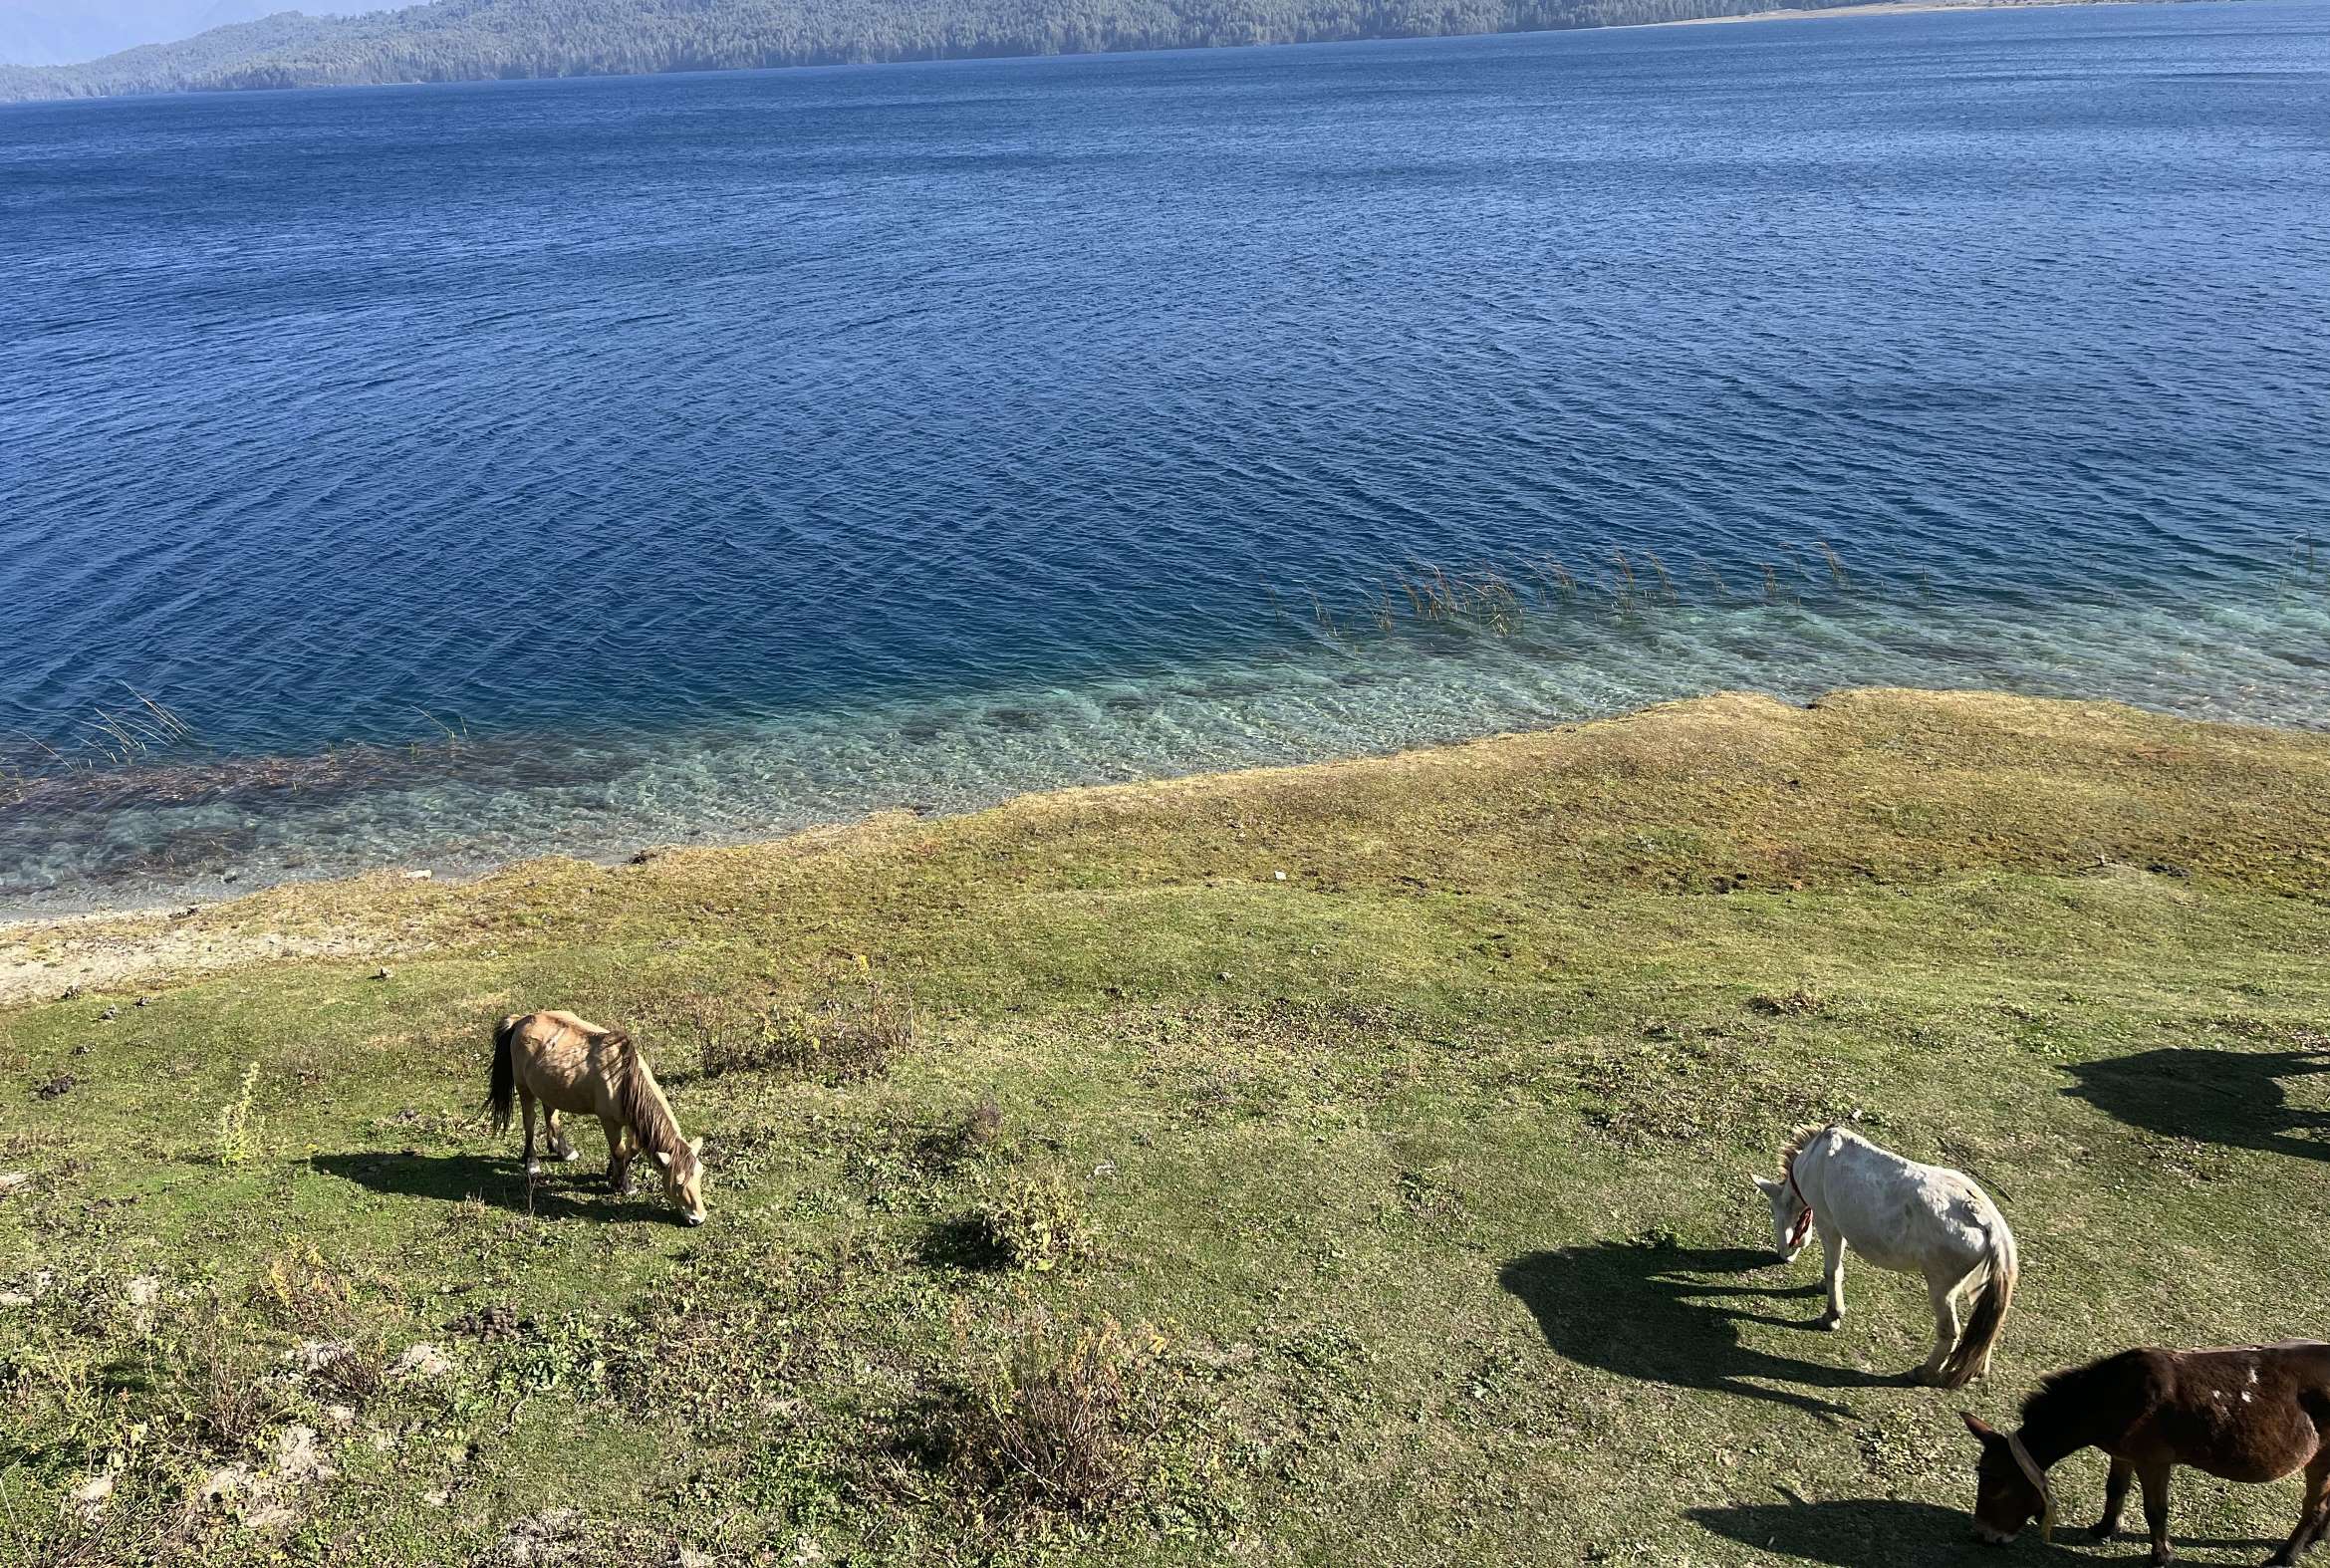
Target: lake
(475,471)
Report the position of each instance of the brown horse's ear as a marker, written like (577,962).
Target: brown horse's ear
(1981,1428)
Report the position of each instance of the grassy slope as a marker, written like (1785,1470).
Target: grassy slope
(1431,1159)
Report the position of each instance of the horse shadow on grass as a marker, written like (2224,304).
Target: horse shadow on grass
(2239,1099)
(1673,1315)
(563,1193)
(1882,1532)
(1873,1532)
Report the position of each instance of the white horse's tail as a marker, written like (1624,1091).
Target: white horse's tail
(1972,1351)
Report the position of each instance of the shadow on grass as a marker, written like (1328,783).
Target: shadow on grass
(1877,1533)
(2235,1098)
(450,1178)
(963,1244)
(1664,1315)
(1873,1532)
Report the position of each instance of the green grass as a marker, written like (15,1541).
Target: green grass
(1414,1183)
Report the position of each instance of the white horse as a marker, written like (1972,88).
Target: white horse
(1904,1216)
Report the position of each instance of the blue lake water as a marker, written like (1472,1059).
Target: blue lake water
(716,455)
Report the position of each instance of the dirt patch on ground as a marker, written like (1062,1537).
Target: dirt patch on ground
(45,961)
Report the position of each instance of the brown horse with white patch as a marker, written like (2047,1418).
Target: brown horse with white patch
(579,1068)
(2252,1413)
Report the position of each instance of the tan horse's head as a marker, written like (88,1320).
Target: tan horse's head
(684,1179)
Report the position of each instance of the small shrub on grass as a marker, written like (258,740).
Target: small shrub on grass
(967,1142)
(353,1373)
(225,1398)
(844,1038)
(983,1128)
(59,1398)
(299,1290)
(238,1128)
(1800,1002)
(1031,1220)
(1063,1422)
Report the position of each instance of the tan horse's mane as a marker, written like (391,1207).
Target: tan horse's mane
(642,1100)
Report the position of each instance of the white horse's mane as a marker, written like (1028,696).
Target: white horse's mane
(1798,1142)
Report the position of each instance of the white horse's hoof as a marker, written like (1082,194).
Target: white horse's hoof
(569,1153)
(534,1168)
(1828,1324)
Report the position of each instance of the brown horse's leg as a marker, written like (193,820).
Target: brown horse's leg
(2154,1479)
(2115,1500)
(2313,1514)
(526,1098)
(560,1149)
(618,1156)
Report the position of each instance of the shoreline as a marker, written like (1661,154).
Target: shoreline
(193,832)
(394,911)
(1866,8)
(1895,8)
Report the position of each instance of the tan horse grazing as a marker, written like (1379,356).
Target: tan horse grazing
(579,1068)
(2256,1413)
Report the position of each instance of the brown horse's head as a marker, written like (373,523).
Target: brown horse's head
(2009,1490)
(684,1179)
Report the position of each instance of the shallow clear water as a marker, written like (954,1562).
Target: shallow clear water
(716,455)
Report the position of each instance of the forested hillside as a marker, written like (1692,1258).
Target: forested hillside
(481,40)
(53,32)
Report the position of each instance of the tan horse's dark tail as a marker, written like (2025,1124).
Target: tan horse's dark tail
(1972,1351)
(502,1088)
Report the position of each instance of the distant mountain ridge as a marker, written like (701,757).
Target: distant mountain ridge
(485,40)
(63,32)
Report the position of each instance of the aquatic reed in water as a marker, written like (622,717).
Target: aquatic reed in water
(1665,583)
(148,755)
(121,736)
(1491,599)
